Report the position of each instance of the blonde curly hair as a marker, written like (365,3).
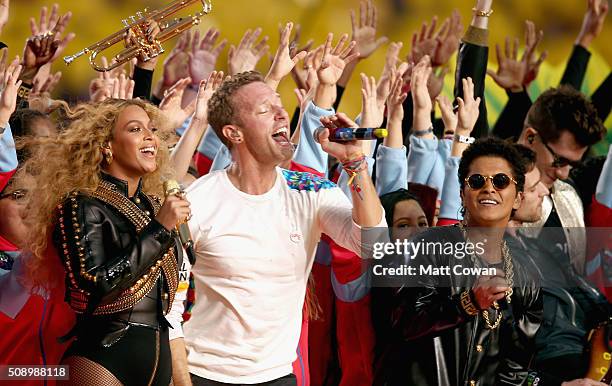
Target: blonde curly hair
(72,162)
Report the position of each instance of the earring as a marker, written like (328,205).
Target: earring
(108,157)
(530,139)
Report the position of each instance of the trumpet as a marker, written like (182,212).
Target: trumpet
(142,46)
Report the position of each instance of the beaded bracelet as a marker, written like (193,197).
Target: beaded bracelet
(353,168)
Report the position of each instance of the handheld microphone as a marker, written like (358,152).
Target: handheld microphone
(172,188)
(345,134)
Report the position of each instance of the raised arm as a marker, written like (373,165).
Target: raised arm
(592,24)
(283,62)
(472,60)
(186,147)
(392,173)
(8,101)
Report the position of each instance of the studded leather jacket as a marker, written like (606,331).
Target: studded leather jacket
(121,264)
(440,343)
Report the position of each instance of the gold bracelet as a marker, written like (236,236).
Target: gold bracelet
(481,13)
(24,91)
(467,304)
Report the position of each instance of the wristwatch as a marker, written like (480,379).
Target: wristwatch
(464,139)
(420,133)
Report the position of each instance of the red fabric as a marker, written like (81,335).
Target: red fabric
(347,265)
(354,330)
(202,163)
(321,331)
(300,366)
(599,244)
(446,221)
(296,167)
(7,246)
(4,178)
(356,341)
(20,336)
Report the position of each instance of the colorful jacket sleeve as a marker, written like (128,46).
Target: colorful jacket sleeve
(451,199)
(422,158)
(391,169)
(309,152)
(8,156)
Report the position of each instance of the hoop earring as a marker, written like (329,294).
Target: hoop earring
(108,157)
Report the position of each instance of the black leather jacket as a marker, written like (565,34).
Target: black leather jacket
(440,344)
(116,275)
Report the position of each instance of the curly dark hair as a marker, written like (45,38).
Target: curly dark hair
(493,147)
(564,108)
(529,157)
(221,107)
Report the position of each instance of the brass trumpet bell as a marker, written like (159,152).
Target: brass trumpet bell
(136,25)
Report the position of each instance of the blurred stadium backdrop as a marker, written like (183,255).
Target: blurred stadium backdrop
(561,20)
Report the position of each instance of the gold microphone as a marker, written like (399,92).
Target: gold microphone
(172,188)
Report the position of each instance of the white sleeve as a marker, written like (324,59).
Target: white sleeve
(175,316)
(335,214)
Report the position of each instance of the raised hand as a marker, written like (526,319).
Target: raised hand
(205,91)
(418,85)
(171,104)
(283,62)
(10,84)
(298,73)
(372,115)
(101,88)
(510,71)
(204,54)
(593,21)
(423,43)
(447,39)
(123,88)
(529,57)
(385,82)
(38,51)
(364,31)
(4,13)
(395,100)
(334,60)
(435,83)
(55,24)
(176,66)
(246,56)
(468,108)
(40,96)
(395,112)
(449,117)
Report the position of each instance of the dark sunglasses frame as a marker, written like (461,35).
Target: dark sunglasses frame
(492,178)
(559,161)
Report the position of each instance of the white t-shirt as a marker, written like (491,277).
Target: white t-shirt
(254,254)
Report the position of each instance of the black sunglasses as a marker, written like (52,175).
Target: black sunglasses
(500,181)
(16,195)
(559,161)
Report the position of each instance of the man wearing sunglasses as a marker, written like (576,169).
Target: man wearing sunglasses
(559,128)
(482,323)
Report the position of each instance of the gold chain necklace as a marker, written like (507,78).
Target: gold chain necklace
(508,273)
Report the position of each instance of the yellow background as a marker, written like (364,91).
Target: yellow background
(94,19)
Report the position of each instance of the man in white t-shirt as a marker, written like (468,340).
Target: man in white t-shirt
(255,229)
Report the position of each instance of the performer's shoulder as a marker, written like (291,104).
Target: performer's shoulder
(304,181)
(205,181)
